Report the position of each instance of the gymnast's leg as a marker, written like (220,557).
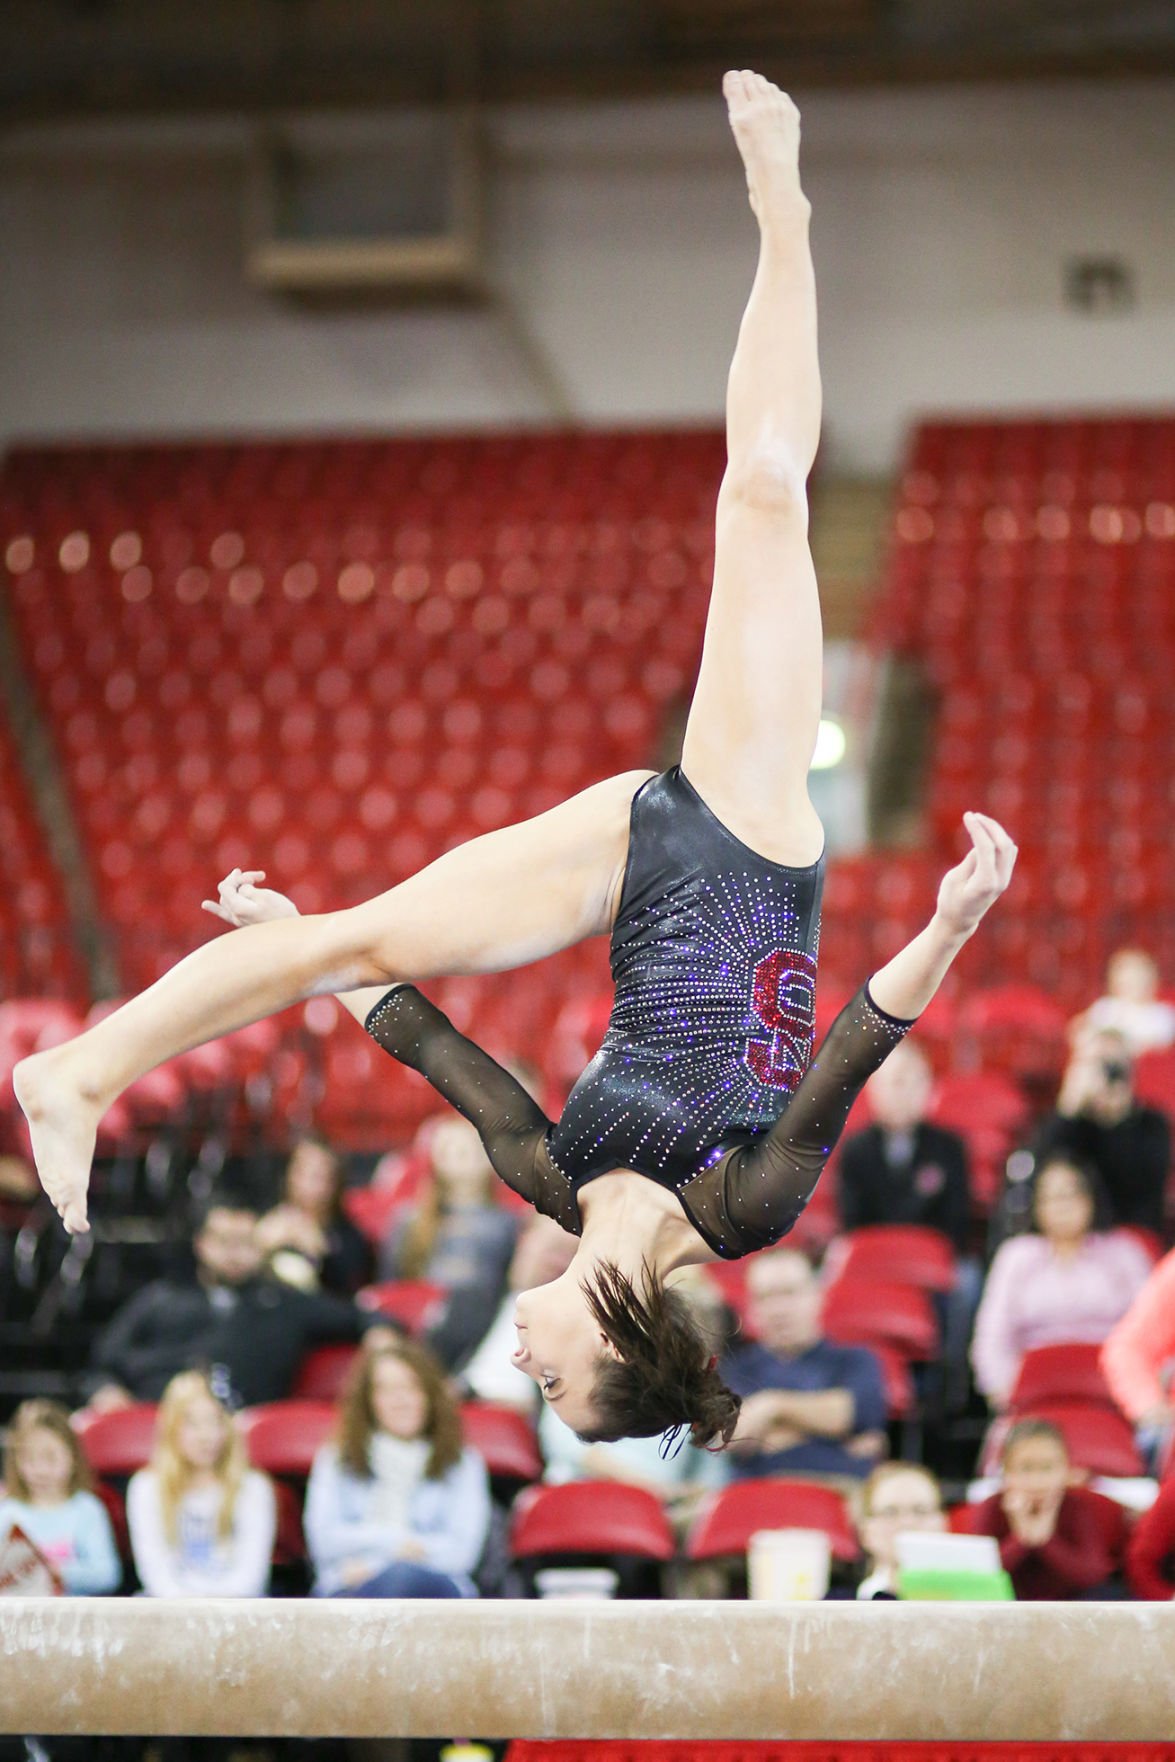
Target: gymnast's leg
(752,725)
(496,902)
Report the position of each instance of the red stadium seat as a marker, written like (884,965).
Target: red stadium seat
(1067,1372)
(118,1443)
(590,1517)
(415,1303)
(729,1517)
(282,1437)
(323,1373)
(893,1254)
(899,1316)
(505,1440)
(1098,1438)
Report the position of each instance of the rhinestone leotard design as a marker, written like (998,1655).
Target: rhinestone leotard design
(746,1166)
(714,963)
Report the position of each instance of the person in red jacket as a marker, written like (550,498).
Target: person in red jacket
(1150,1557)
(1050,1546)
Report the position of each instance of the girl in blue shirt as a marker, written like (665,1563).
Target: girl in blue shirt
(50,1497)
(396,1506)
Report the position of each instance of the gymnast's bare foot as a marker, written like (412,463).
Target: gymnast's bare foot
(766,127)
(63,1123)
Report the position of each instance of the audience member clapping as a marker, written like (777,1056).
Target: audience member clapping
(307,1238)
(1131,1004)
(397,1506)
(897,1498)
(1066,1279)
(201,1521)
(810,1407)
(1137,1359)
(48,1495)
(1050,1544)
(247,1328)
(1099,1120)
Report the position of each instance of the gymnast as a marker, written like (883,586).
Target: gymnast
(700,1128)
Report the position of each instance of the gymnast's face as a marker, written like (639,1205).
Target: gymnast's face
(560,1344)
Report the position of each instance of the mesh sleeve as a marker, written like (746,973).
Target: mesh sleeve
(511,1125)
(767,1184)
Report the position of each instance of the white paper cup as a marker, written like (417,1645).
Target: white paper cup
(788,1566)
(592,1584)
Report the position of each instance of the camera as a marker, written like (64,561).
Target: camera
(1115,1071)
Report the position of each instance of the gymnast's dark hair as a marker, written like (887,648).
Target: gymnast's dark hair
(665,1376)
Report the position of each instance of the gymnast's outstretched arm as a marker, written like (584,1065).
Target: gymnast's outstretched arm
(767,1184)
(511,1125)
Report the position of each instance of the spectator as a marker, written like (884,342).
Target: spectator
(49,1496)
(308,1239)
(397,1507)
(1050,1545)
(248,1329)
(480,1344)
(1066,1279)
(1131,1005)
(897,1497)
(1150,1554)
(902,1169)
(201,1521)
(1098,1120)
(1137,1357)
(457,1235)
(809,1407)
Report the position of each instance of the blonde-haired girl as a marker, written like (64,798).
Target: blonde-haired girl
(50,1497)
(201,1520)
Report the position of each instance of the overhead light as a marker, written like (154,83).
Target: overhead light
(830,745)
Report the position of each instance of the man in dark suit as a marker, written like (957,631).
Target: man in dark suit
(902,1169)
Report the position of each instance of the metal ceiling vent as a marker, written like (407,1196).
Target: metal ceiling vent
(386,205)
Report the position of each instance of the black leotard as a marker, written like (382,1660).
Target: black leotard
(746,1172)
(714,963)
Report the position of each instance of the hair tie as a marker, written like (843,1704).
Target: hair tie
(673,1437)
(712,1362)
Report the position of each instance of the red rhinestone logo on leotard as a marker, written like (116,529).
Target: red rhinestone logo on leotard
(783,993)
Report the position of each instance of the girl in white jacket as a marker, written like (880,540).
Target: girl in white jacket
(201,1521)
(396,1506)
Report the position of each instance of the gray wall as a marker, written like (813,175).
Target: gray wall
(942,223)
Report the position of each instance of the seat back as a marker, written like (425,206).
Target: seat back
(118,1443)
(1068,1371)
(861,1313)
(415,1303)
(590,1517)
(897,1254)
(1097,1438)
(505,1440)
(323,1372)
(729,1517)
(283,1437)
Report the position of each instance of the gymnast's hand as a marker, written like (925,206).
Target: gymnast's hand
(970,889)
(242,902)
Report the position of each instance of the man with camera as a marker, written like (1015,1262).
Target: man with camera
(1099,1119)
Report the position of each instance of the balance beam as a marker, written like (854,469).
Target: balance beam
(833,1672)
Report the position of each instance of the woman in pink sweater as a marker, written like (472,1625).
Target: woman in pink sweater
(1065,1280)
(1138,1354)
